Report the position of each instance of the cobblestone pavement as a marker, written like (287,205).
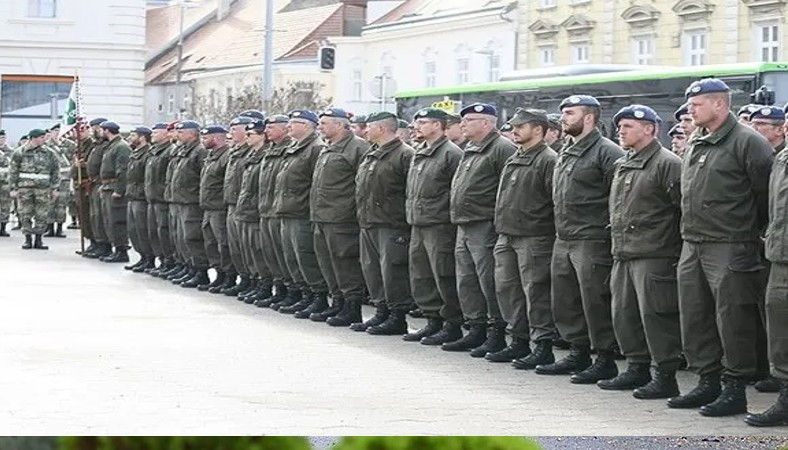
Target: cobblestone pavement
(88,348)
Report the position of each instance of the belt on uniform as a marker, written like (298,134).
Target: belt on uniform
(108,180)
(34,176)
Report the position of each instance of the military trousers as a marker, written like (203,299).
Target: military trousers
(384,262)
(234,242)
(177,235)
(57,210)
(337,251)
(275,234)
(777,318)
(253,251)
(720,287)
(190,233)
(96,214)
(33,209)
(137,219)
(159,231)
(5,201)
(522,284)
(268,247)
(114,215)
(433,279)
(299,252)
(71,204)
(580,287)
(475,262)
(83,212)
(646,311)
(217,247)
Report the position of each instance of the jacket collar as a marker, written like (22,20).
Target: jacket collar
(297,146)
(703,135)
(578,148)
(139,151)
(217,152)
(341,144)
(638,160)
(428,150)
(380,152)
(779,148)
(526,156)
(486,142)
(280,148)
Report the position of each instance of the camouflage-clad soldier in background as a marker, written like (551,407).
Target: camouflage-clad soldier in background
(93,165)
(137,209)
(34,178)
(555,136)
(80,183)
(114,170)
(454,131)
(158,208)
(58,210)
(5,187)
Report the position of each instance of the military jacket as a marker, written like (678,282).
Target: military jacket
(135,189)
(777,232)
(725,184)
(34,168)
(294,180)
(333,195)
(79,168)
(429,182)
(272,163)
(524,204)
(475,182)
(212,179)
(232,174)
(65,171)
(779,148)
(156,171)
(5,162)
(581,187)
(95,157)
(645,204)
(249,196)
(380,185)
(115,166)
(185,184)
(170,172)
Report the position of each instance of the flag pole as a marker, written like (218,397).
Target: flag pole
(78,161)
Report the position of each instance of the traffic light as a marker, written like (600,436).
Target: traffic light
(326,56)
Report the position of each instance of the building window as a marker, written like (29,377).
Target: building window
(229,98)
(429,73)
(42,9)
(768,42)
(171,104)
(643,50)
(463,70)
(695,48)
(494,67)
(580,53)
(546,3)
(187,104)
(546,56)
(357,85)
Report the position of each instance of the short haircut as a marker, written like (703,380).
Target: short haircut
(595,111)
(390,124)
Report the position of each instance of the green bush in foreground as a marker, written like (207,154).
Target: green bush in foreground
(185,443)
(434,443)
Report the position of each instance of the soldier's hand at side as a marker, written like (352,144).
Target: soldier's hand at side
(13,194)
(117,195)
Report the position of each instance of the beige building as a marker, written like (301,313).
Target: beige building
(660,32)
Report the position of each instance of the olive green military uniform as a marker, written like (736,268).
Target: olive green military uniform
(232,186)
(114,172)
(5,186)
(473,191)
(270,225)
(186,199)
(291,206)
(777,253)
(95,157)
(34,174)
(137,209)
(333,213)
(582,261)
(214,221)
(433,282)
(174,210)
(645,211)
(159,230)
(724,204)
(58,209)
(385,235)
(526,234)
(247,215)
(80,182)
(69,148)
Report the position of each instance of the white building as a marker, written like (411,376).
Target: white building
(44,43)
(422,44)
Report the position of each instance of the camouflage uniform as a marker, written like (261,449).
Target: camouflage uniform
(34,174)
(57,211)
(5,197)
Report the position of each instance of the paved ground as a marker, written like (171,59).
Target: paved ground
(88,348)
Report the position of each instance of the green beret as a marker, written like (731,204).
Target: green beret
(527,115)
(431,113)
(453,118)
(382,115)
(37,132)
(402,123)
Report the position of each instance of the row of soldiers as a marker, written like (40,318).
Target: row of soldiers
(636,249)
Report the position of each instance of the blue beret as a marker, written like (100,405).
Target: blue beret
(304,114)
(277,118)
(637,112)
(97,121)
(160,126)
(256,125)
(748,109)
(335,112)
(506,127)
(253,113)
(142,130)
(676,130)
(768,112)
(187,125)
(241,120)
(110,125)
(2,132)
(578,100)
(706,86)
(785,109)
(213,129)
(362,119)
(479,108)
(683,110)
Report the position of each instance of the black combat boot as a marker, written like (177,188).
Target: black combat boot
(562,344)
(449,332)
(174,269)
(199,278)
(636,375)
(475,337)
(770,385)
(293,296)
(707,390)
(180,273)
(278,294)
(495,342)
(50,232)
(264,290)
(38,244)
(337,305)
(136,264)
(541,356)
(254,284)
(228,282)
(120,255)
(242,285)
(381,314)
(731,401)
(59,231)
(578,359)
(148,263)
(307,297)
(3,232)
(603,368)
(319,304)
(433,326)
(187,275)
(395,324)
(776,415)
(73,225)
(218,281)
(349,314)
(662,385)
(519,348)
(28,242)
(90,248)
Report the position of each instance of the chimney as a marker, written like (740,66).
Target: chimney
(354,17)
(222,9)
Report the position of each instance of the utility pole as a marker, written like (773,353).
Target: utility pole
(178,96)
(268,82)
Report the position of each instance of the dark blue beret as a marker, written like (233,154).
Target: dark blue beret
(256,125)
(768,112)
(637,112)
(335,112)
(747,109)
(97,121)
(213,129)
(187,125)
(142,130)
(506,127)
(578,100)
(160,126)
(479,108)
(676,130)
(785,109)
(304,114)
(253,113)
(683,110)
(277,118)
(241,120)
(706,86)
(110,125)
(358,119)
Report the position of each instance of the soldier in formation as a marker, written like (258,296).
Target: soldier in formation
(5,187)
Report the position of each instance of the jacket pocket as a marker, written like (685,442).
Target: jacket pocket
(665,292)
